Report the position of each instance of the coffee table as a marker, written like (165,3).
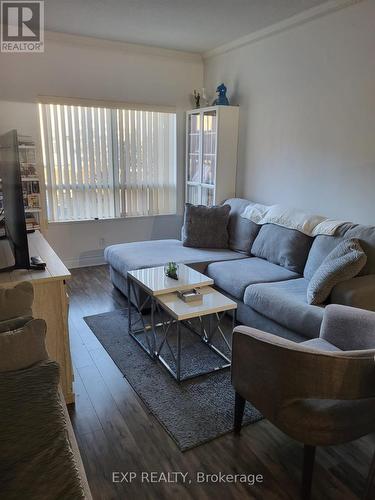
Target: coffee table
(161,293)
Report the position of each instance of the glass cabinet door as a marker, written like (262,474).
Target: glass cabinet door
(201,156)
(193,194)
(208,197)
(194,145)
(209,147)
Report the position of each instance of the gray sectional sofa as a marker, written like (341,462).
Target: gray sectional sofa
(266,270)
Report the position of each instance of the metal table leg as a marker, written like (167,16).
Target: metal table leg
(147,329)
(129,308)
(178,374)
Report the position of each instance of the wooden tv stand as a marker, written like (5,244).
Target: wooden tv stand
(50,303)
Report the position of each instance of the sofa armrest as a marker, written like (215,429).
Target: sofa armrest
(356,292)
(75,449)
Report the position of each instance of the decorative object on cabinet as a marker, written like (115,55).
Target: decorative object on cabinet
(222,99)
(197,98)
(211,154)
(204,98)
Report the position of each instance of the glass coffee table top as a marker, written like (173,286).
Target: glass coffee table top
(154,281)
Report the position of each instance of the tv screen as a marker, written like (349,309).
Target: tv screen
(13,205)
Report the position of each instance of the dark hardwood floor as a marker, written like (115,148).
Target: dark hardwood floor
(116,432)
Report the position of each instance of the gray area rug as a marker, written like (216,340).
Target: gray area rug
(193,412)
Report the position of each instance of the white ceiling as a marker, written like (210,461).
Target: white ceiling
(192,25)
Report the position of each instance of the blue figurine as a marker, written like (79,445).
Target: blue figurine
(221,99)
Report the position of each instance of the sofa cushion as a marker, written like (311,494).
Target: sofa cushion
(357,292)
(287,247)
(242,232)
(138,255)
(343,263)
(320,345)
(285,302)
(206,227)
(234,276)
(366,237)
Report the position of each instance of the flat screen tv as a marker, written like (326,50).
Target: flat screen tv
(13,205)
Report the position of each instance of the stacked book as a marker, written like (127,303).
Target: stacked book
(31,222)
(31,194)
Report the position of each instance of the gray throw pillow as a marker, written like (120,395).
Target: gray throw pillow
(286,247)
(24,347)
(342,263)
(16,301)
(205,227)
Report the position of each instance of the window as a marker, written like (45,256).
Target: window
(103,162)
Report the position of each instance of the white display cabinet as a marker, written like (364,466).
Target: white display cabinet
(211,154)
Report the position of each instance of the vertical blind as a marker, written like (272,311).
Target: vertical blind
(104,162)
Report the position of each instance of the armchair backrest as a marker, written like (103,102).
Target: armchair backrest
(348,328)
(271,371)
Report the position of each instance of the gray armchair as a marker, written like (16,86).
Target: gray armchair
(39,456)
(320,392)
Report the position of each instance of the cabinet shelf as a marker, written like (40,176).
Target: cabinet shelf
(32,210)
(29,178)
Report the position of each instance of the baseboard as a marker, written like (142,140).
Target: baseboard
(85,261)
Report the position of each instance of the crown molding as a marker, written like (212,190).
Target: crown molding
(291,22)
(133,48)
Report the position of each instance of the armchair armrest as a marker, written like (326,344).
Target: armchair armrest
(356,292)
(348,328)
(270,371)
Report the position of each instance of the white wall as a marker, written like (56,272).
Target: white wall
(96,69)
(307,114)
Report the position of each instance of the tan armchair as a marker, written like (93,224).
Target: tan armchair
(320,392)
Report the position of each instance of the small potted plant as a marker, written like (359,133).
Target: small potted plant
(171,270)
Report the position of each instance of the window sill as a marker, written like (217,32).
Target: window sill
(111,219)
